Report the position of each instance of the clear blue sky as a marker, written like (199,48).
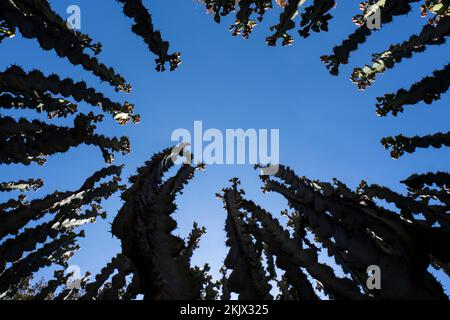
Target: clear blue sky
(327,128)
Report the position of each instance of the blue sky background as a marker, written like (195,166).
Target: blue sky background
(327,127)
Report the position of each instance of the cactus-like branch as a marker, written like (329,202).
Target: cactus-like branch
(26,142)
(66,220)
(59,279)
(291,257)
(430,186)
(388,10)
(32,22)
(244,24)
(248,276)
(17,81)
(42,9)
(366,234)
(220,7)
(92,288)
(54,107)
(418,181)
(407,205)
(316,17)
(430,35)
(118,282)
(428,89)
(281,29)
(52,252)
(192,242)
(11,222)
(437,8)
(144,226)
(401,144)
(21,185)
(143,27)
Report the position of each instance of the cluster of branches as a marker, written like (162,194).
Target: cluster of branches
(351,226)
(36,20)
(429,89)
(43,232)
(358,232)
(153,261)
(316,18)
(24,141)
